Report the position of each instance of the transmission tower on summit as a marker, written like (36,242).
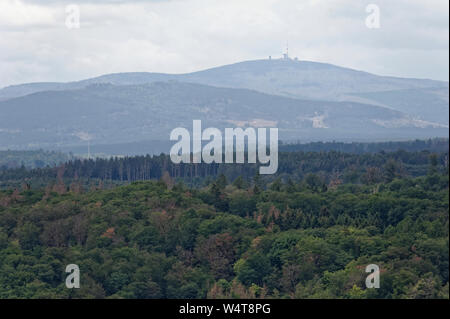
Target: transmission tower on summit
(286,55)
(287,49)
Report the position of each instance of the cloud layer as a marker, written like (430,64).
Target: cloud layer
(177,36)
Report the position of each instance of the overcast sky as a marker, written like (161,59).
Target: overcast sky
(177,36)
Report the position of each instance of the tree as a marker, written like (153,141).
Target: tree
(313,182)
(221,182)
(276,185)
(218,253)
(28,236)
(425,288)
(392,170)
(240,183)
(433,164)
(253,269)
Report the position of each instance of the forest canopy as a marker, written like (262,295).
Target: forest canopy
(308,232)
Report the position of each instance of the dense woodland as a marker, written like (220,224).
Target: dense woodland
(227,232)
(332,166)
(432,145)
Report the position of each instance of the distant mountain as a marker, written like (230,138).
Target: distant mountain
(291,78)
(110,114)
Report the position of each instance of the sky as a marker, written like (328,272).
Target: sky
(39,40)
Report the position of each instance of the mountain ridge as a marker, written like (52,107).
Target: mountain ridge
(146,77)
(306,100)
(109,113)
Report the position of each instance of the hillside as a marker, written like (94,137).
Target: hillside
(109,114)
(298,79)
(147,240)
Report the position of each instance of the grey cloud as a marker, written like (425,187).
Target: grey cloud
(177,36)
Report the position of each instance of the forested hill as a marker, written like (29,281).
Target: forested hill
(223,231)
(293,240)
